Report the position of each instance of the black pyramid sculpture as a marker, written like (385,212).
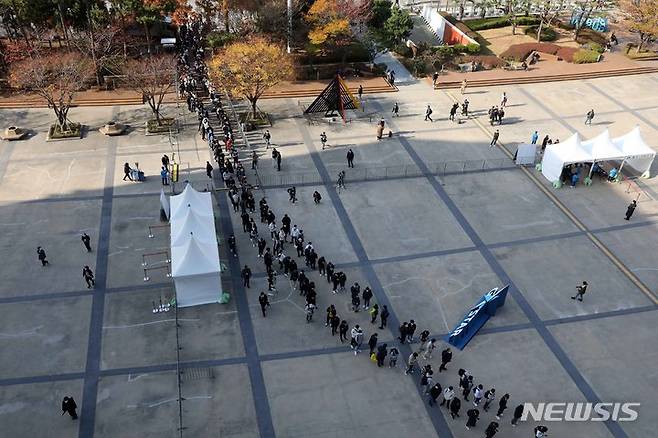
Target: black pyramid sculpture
(335,98)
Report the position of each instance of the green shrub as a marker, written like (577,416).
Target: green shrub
(381,11)
(399,24)
(584,56)
(598,48)
(402,50)
(219,39)
(547,33)
(496,22)
(473,49)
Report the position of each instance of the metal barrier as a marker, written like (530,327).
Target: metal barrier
(386,172)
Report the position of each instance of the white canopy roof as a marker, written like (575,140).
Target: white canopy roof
(192,224)
(600,148)
(194,258)
(632,144)
(558,155)
(190,199)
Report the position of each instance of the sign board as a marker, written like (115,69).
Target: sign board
(598,24)
(477,317)
(525,154)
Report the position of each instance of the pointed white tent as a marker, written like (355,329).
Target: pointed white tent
(190,199)
(196,271)
(558,155)
(192,224)
(638,155)
(600,148)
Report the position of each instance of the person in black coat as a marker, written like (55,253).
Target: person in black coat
(455,405)
(473,416)
(446,357)
(69,407)
(491,430)
(372,343)
(435,392)
(382,351)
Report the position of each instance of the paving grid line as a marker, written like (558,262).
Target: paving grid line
(559,204)
(95,339)
(305,353)
(435,415)
(515,292)
(256,378)
(619,103)
(5,157)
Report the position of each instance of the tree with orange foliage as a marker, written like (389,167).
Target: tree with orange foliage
(249,68)
(641,17)
(331,21)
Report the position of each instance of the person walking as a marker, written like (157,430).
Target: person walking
(503,100)
(580,291)
(428,113)
(491,430)
(494,139)
(323,139)
(489,397)
(429,348)
(435,392)
(292,194)
(264,302)
(373,313)
(448,395)
(69,407)
(455,405)
(209,169)
(382,351)
(478,393)
(86,241)
(383,317)
(630,210)
(246,275)
(463,86)
(435,77)
(393,354)
(473,417)
(357,339)
(589,117)
(502,405)
(350,158)
(411,363)
(231,245)
(127,172)
(41,254)
(310,308)
(164,175)
(534,138)
(453,111)
(446,357)
(88,275)
(518,412)
(372,342)
(360,92)
(267,137)
(396,110)
(342,331)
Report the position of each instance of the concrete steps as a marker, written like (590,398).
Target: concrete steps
(314,92)
(547,78)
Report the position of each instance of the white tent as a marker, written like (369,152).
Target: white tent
(638,155)
(196,271)
(600,148)
(195,263)
(558,155)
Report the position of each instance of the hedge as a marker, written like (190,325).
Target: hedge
(584,56)
(520,52)
(547,33)
(494,23)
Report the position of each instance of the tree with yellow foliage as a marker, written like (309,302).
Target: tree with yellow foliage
(249,67)
(641,17)
(331,21)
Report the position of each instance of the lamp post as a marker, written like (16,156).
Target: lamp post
(289,24)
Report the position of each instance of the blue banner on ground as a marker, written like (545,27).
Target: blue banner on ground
(477,317)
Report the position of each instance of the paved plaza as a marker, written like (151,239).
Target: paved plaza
(431,219)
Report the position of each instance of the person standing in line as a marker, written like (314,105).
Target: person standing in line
(473,417)
(393,354)
(491,430)
(630,210)
(448,395)
(231,245)
(518,412)
(478,393)
(383,317)
(357,339)
(41,254)
(429,348)
(404,327)
(209,169)
(446,357)
(466,385)
(411,363)
(69,407)
(246,275)
(88,275)
(382,351)
(342,331)
(489,397)
(373,313)
(164,174)
(322,266)
(350,158)
(396,110)
(323,140)
(455,405)
(86,241)
(335,323)
(580,291)
(502,405)
(494,139)
(427,381)
(310,308)
(534,138)
(435,392)
(372,343)
(254,160)
(367,296)
(411,329)
(264,302)
(428,113)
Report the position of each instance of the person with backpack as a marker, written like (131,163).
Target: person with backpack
(478,393)
(448,395)
(489,397)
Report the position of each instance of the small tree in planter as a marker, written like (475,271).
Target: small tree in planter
(249,68)
(152,77)
(641,17)
(56,78)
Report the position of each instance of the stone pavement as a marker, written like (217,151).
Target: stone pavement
(429,245)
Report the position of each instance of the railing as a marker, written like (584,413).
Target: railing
(385,172)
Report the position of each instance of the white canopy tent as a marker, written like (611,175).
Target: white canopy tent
(195,265)
(629,149)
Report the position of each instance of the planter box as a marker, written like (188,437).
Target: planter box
(167,124)
(74,133)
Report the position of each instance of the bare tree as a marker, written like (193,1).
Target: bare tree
(55,77)
(548,12)
(587,7)
(152,77)
(101,46)
(641,18)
